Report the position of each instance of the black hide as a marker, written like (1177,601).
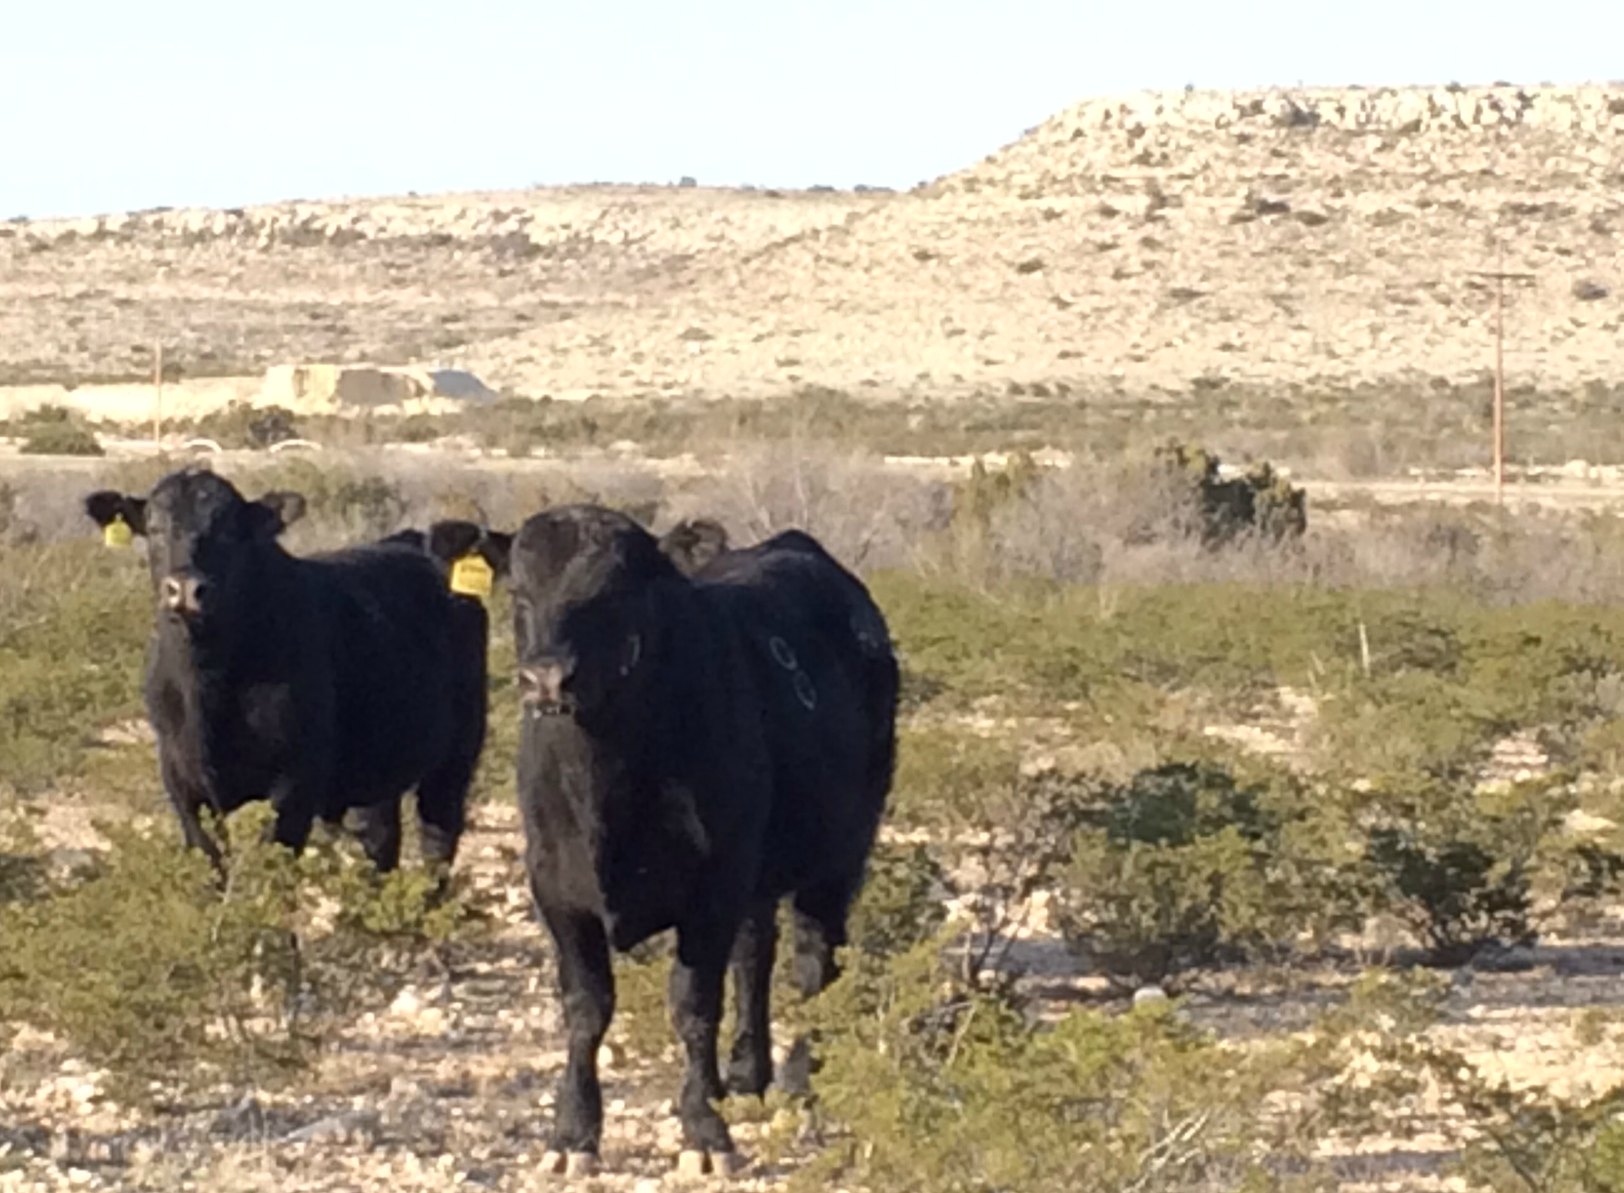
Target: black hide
(323,684)
(693,749)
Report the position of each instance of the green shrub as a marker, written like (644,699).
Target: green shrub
(1415,722)
(928,1084)
(1183,866)
(59,439)
(363,504)
(900,906)
(147,970)
(1520,1138)
(240,425)
(1261,503)
(73,627)
(149,967)
(1530,1141)
(1461,866)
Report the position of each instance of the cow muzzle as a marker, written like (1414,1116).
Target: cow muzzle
(183,594)
(541,688)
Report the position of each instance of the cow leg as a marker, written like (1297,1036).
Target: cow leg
(295,815)
(820,929)
(750,1068)
(587,984)
(695,992)
(188,803)
(442,800)
(377,827)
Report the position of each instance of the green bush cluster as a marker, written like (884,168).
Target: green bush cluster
(931,1085)
(1182,866)
(1184,855)
(1260,501)
(363,504)
(239,425)
(151,966)
(55,431)
(73,628)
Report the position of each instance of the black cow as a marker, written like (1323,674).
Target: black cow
(323,684)
(693,749)
(450,544)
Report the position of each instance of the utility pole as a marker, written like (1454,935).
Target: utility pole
(1500,277)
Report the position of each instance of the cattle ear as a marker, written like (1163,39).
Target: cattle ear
(694,543)
(287,508)
(497,548)
(107,505)
(275,512)
(450,540)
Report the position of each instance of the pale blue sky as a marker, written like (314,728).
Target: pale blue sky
(107,105)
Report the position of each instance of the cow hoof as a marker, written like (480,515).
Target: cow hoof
(570,1164)
(693,1164)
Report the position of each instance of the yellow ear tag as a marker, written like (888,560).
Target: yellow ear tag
(117,533)
(472,576)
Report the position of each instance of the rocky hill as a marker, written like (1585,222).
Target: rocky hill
(1156,245)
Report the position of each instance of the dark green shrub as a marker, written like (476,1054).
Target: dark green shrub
(1460,866)
(935,1086)
(59,439)
(418,428)
(73,627)
(1184,866)
(1456,894)
(241,425)
(1260,502)
(370,502)
(148,966)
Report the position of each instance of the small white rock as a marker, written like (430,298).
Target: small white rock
(406,1002)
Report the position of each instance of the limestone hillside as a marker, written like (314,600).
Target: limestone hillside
(1153,245)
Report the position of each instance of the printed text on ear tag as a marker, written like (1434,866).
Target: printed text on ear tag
(471,576)
(117,533)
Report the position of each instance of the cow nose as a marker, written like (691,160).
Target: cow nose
(182,593)
(541,685)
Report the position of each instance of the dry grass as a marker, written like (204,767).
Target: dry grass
(1105,522)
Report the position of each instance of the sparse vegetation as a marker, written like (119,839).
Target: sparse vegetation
(149,968)
(1124,756)
(240,425)
(1234,844)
